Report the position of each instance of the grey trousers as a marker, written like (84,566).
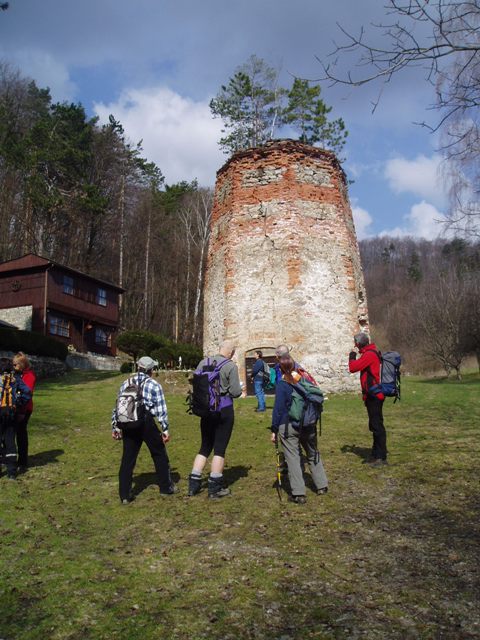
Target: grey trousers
(307,438)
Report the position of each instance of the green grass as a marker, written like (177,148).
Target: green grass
(387,553)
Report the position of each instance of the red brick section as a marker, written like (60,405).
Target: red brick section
(291,197)
(231,196)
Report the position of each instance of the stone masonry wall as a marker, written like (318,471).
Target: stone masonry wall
(20,317)
(283,263)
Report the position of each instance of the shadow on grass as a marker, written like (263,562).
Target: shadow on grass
(362,452)
(78,377)
(44,457)
(232,474)
(144,480)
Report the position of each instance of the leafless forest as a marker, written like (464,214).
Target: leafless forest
(80,193)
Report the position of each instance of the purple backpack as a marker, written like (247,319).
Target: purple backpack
(204,399)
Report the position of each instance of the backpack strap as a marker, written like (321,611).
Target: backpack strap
(370,380)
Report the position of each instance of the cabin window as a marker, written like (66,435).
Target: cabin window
(102,337)
(59,326)
(102,297)
(68,285)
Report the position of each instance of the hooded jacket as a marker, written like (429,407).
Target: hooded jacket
(369,366)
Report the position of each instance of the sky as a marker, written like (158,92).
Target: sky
(156,64)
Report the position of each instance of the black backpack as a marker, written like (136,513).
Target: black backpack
(203,399)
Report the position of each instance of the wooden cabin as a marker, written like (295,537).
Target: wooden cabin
(60,302)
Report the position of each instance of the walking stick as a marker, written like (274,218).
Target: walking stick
(279,470)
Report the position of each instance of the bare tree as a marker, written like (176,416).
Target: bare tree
(442,37)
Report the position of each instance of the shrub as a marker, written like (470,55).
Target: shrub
(126,367)
(34,344)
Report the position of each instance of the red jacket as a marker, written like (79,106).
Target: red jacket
(369,366)
(29,377)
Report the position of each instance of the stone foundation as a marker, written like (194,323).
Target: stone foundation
(20,317)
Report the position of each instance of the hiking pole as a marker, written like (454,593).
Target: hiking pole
(279,469)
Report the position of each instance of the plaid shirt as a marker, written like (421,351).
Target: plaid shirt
(153,399)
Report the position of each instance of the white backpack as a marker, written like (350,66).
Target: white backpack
(130,407)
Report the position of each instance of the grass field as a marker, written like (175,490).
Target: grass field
(387,553)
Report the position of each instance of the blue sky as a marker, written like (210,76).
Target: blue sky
(155,64)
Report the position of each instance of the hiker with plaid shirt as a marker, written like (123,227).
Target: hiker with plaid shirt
(132,439)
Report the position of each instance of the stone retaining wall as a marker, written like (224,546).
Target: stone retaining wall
(43,366)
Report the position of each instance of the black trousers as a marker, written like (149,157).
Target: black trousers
(132,441)
(22,438)
(216,432)
(375,424)
(7,443)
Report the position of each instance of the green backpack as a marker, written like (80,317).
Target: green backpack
(307,404)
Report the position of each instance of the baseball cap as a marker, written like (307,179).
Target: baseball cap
(147,363)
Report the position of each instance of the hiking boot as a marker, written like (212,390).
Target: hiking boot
(322,491)
(297,499)
(216,489)
(11,475)
(130,498)
(194,485)
(378,462)
(173,489)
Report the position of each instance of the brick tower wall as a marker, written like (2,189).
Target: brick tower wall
(283,263)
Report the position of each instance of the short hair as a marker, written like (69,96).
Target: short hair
(227,346)
(361,339)
(282,350)
(259,353)
(21,359)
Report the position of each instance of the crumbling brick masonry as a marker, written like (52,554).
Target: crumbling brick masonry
(283,263)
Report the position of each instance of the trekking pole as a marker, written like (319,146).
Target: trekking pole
(279,469)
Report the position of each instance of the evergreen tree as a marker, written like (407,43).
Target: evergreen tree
(307,112)
(249,106)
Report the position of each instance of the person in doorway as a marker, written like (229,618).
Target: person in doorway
(369,367)
(293,438)
(154,402)
(216,428)
(258,381)
(22,368)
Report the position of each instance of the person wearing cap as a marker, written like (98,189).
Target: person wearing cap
(216,429)
(132,439)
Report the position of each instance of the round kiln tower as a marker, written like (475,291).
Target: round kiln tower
(283,263)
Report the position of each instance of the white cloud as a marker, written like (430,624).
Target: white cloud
(423,221)
(419,177)
(362,220)
(45,69)
(178,134)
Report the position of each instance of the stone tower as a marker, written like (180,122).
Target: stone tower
(283,263)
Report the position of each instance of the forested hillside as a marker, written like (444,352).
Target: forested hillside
(424,299)
(82,194)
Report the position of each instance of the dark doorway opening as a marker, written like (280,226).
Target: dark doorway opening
(268,357)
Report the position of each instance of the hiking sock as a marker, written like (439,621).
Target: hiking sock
(217,476)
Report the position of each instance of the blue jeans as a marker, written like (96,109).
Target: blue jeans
(258,385)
